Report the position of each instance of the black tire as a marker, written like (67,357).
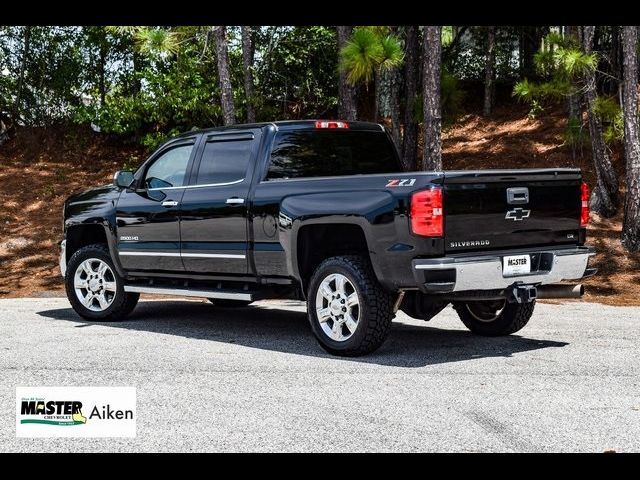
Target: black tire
(375,306)
(123,302)
(226,303)
(513,317)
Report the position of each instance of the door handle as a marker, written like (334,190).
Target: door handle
(170,203)
(235,201)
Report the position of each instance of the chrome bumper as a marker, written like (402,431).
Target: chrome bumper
(484,272)
(63,258)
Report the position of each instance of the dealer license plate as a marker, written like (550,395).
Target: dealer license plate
(516,265)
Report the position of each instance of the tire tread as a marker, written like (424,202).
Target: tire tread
(378,300)
(513,318)
(124,303)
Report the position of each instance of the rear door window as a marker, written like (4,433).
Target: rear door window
(224,161)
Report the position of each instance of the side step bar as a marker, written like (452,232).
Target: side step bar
(186,292)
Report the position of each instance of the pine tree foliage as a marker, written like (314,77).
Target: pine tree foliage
(370,50)
(560,63)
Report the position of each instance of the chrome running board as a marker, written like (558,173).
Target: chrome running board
(187,292)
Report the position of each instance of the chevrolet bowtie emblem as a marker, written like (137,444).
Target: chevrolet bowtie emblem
(517,214)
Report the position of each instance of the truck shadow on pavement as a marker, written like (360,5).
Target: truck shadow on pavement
(285,330)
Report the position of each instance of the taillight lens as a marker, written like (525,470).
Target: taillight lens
(584,212)
(426,213)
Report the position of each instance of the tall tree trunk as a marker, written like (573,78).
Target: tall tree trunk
(489,73)
(529,47)
(247,63)
(616,61)
(412,66)
(631,225)
(347,107)
(26,45)
(604,199)
(137,68)
(377,87)
(530,39)
(224,76)
(573,100)
(394,107)
(432,52)
(103,66)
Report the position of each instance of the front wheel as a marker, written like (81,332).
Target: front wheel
(94,288)
(494,318)
(349,311)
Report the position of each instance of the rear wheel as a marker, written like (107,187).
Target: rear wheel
(349,311)
(94,288)
(226,303)
(494,318)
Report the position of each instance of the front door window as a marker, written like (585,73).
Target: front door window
(170,169)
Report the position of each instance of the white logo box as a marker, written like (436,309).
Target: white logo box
(76,412)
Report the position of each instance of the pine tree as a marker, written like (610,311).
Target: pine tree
(489,71)
(17,105)
(604,199)
(224,75)
(347,108)
(370,54)
(631,226)
(247,62)
(411,78)
(432,53)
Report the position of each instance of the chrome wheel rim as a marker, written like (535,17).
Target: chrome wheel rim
(95,284)
(337,307)
(486,312)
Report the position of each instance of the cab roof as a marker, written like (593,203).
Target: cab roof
(288,125)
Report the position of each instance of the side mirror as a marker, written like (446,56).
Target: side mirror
(123,178)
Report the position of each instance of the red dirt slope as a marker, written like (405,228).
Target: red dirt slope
(41,167)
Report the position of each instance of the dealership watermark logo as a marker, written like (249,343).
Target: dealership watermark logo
(75,412)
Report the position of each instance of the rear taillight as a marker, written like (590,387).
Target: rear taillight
(584,211)
(426,213)
(331,124)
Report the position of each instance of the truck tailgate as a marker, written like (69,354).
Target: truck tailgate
(495,209)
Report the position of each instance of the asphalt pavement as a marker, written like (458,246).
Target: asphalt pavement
(254,379)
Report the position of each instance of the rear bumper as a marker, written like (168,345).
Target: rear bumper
(484,271)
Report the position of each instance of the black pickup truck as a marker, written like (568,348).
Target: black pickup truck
(321,211)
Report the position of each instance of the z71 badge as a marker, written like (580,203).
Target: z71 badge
(402,182)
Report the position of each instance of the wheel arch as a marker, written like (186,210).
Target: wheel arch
(82,234)
(317,241)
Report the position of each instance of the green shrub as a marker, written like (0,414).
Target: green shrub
(451,97)
(153,140)
(575,135)
(132,163)
(612,118)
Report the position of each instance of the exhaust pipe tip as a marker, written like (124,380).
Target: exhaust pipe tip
(560,291)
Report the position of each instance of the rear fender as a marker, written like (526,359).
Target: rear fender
(372,211)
